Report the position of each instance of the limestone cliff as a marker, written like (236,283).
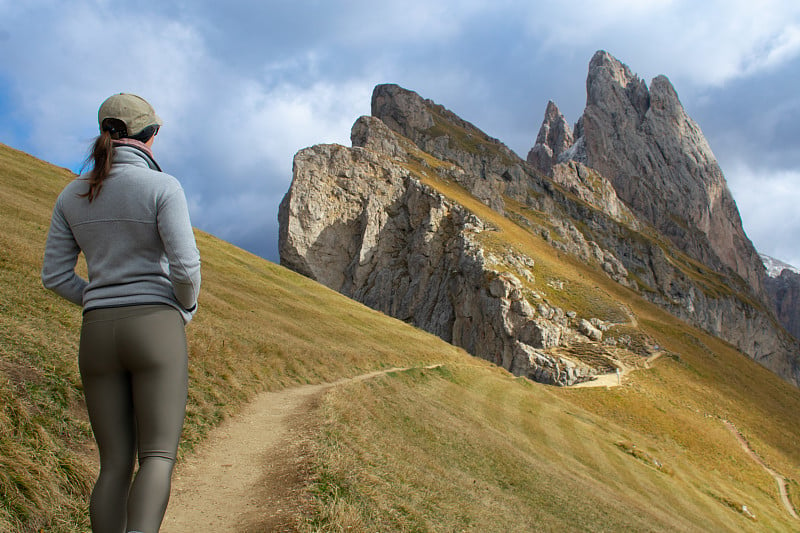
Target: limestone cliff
(361,221)
(358,221)
(660,164)
(784,290)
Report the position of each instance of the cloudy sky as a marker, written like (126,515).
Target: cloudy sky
(243,85)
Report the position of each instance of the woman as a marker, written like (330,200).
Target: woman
(131,222)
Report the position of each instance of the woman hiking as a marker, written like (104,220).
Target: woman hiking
(131,222)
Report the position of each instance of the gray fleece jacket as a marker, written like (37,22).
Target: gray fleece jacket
(136,237)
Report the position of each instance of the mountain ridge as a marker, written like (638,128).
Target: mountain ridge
(660,164)
(576,209)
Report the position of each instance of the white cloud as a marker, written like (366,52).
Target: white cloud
(74,60)
(239,164)
(229,135)
(767,201)
(706,43)
(275,123)
(371,23)
(247,138)
(778,49)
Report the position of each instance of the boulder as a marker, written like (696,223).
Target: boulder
(586,328)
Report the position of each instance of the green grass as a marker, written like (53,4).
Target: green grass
(465,137)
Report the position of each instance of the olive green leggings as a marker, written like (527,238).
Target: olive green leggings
(133,363)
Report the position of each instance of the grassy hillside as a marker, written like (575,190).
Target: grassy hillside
(464,446)
(259,327)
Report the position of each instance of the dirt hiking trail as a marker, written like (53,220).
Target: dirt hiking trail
(779,479)
(614,379)
(248,475)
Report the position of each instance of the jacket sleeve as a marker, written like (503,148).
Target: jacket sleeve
(60,257)
(176,233)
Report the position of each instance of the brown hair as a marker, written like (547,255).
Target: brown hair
(102,154)
(100,158)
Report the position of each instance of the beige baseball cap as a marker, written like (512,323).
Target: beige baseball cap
(133,110)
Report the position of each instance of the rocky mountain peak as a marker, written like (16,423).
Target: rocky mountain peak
(611,82)
(776,266)
(661,165)
(402,110)
(382,223)
(783,286)
(664,99)
(555,137)
(491,169)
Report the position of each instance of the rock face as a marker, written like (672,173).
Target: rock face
(490,169)
(784,290)
(555,137)
(359,220)
(662,166)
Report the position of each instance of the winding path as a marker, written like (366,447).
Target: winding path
(614,379)
(248,475)
(778,478)
(249,460)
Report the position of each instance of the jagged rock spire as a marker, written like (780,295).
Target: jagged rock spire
(661,165)
(554,138)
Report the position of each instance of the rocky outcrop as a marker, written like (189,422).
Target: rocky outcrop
(578,209)
(555,137)
(661,165)
(491,169)
(591,187)
(492,173)
(784,291)
(357,220)
(588,217)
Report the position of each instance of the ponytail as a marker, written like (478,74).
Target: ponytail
(100,158)
(102,155)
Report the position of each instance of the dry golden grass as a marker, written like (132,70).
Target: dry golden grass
(461,447)
(260,327)
(467,449)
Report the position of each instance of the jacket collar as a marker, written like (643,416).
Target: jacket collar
(133,152)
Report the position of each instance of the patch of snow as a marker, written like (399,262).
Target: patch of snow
(775,266)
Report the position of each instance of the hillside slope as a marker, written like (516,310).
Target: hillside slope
(463,446)
(260,327)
